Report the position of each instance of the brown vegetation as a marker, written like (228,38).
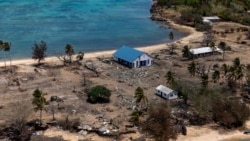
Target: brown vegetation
(159,122)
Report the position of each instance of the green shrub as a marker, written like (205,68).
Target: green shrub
(98,93)
(202,27)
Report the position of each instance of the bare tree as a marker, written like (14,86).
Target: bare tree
(159,123)
(208,38)
(18,117)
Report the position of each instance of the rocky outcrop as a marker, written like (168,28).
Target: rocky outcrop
(157,13)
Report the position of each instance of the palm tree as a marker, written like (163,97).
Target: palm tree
(136,115)
(5,46)
(1,48)
(238,68)
(39,102)
(213,48)
(236,62)
(236,71)
(216,76)
(140,97)
(192,68)
(204,80)
(185,52)
(232,73)
(225,68)
(240,72)
(223,46)
(69,50)
(170,77)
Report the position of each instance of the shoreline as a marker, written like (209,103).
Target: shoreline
(88,55)
(191,34)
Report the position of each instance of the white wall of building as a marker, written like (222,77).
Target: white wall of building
(172,95)
(143,57)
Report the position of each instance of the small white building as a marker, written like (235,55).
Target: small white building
(166,92)
(210,20)
(132,58)
(204,51)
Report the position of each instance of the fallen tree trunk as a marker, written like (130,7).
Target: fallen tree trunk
(91,67)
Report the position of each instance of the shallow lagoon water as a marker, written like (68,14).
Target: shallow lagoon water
(88,25)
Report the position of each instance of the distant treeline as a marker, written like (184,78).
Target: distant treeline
(229,10)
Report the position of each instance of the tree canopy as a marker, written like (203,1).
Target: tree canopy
(185,52)
(139,96)
(230,10)
(39,50)
(98,93)
(69,51)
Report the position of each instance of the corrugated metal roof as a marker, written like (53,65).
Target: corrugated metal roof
(164,89)
(127,53)
(203,50)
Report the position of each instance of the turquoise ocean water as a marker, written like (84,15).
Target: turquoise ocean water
(88,25)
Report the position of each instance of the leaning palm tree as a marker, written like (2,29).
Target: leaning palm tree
(231,75)
(223,46)
(170,77)
(7,48)
(192,68)
(1,48)
(136,115)
(216,76)
(39,102)
(140,97)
